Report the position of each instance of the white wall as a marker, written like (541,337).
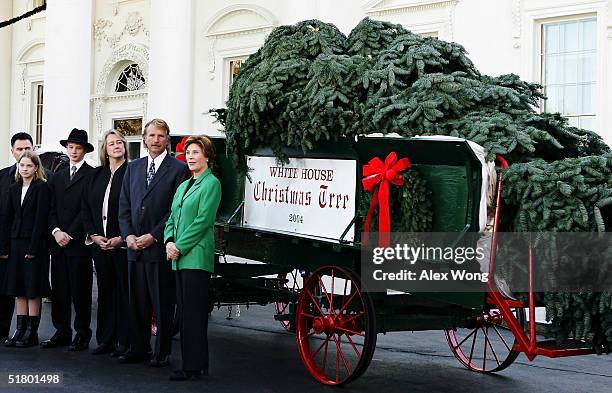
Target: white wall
(499,35)
(68,41)
(27,55)
(6,12)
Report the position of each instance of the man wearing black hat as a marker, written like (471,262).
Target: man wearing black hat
(71,266)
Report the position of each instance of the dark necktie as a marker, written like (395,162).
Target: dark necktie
(151,173)
(72,172)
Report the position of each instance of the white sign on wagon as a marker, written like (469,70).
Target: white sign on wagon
(310,197)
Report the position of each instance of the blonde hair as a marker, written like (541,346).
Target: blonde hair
(40,171)
(104,160)
(157,123)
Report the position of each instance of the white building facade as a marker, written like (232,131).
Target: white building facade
(99,64)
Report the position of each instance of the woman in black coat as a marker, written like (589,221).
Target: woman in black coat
(23,247)
(100,219)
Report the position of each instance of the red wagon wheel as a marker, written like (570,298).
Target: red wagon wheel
(295,283)
(486,345)
(335,326)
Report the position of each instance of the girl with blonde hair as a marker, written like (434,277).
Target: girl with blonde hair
(23,244)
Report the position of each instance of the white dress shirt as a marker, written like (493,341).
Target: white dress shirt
(158,160)
(24,191)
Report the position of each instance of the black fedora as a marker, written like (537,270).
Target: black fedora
(80,137)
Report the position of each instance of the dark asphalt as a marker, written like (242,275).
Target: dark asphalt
(253,353)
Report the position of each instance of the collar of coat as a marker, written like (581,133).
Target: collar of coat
(197,183)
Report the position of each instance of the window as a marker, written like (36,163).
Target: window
(132,129)
(431,34)
(234,68)
(129,127)
(131,79)
(39,113)
(569,69)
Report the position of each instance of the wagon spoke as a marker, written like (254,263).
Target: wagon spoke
(315,302)
(331,300)
(465,339)
(350,331)
(344,305)
(309,315)
(331,308)
(337,361)
(325,353)
(484,358)
(473,342)
(502,338)
(321,346)
(353,345)
(339,349)
(354,317)
(490,344)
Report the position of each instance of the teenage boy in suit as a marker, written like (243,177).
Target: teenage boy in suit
(71,265)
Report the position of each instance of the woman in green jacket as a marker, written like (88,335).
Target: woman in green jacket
(190,245)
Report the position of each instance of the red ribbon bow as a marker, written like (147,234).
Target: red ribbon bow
(377,176)
(180,149)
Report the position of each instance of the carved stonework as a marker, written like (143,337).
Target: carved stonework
(144,108)
(383,8)
(132,52)
(99,26)
(24,73)
(211,59)
(98,109)
(133,25)
(138,54)
(450,27)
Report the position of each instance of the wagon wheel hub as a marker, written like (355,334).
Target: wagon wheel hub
(325,324)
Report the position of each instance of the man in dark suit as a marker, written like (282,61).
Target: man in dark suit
(71,266)
(20,142)
(144,207)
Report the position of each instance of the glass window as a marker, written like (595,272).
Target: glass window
(569,71)
(131,79)
(234,68)
(133,150)
(129,127)
(39,113)
(431,34)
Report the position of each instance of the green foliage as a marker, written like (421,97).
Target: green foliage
(569,195)
(309,83)
(410,206)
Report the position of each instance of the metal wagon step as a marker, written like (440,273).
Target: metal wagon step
(553,349)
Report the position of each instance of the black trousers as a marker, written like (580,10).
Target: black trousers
(151,287)
(192,300)
(7,306)
(71,282)
(113,298)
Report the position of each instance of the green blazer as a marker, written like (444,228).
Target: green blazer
(192,220)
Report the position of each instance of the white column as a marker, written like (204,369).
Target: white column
(68,43)
(6,59)
(170,84)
